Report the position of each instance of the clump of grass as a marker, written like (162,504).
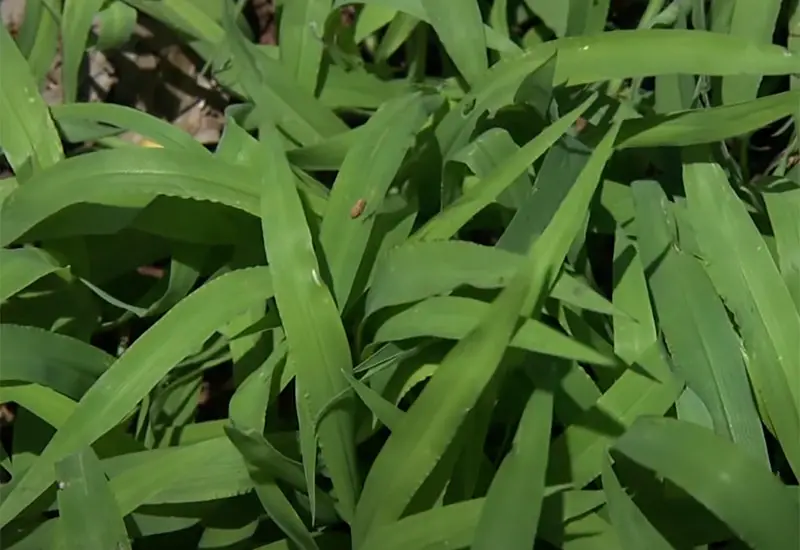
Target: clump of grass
(468,275)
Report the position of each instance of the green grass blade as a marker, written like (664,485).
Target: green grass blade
(553,14)
(714,471)
(430,425)
(317,342)
(745,275)
(38,37)
(449,221)
(65,364)
(126,179)
(459,25)
(454,525)
(326,155)
(696,328)
(196,472)
(276,95)
(21,267)
(453,317)
(184,15)
(371,18)
(754,21)
(28,136)
(510,515)
(385,411)
(450,526)
(416,271)
(556,175)
(127,118)
(88,513)
(361,185)
(632,526)
(640,53)
(635,334)
(496,89)
(76,22)
(117,23)
(491,148)
(138,370)
(397,34)
(494,40)
(270,494)
(783,207)
(577,454)
(498,17)
(707,125)
(301,28)
(268,457)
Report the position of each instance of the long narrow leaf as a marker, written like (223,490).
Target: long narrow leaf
(27,135)
(315,335)
(745,275)
(519,483)
(88,513)
(725,480)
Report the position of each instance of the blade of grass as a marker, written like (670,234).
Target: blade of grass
(453,317)
(707,125)
(554,178)
(301,27)
(459,25)
(65,364)
(276,96)
(745,275)
(783,207)
(315,335)
(635,334)
(577,454)
(397,34)
(76,22)
(754,21)
(362,183)
(632,526)
(696,327)
(127,118)
(117,23)
(415,8)
(496,89)
(21,267)
(510,515)
(184,15)
(371,18)
(28,136)
(38,37)
(639,53)
(197,472)
(125,179)
(453,525)
(270,495)
(326,155)
(715,471)
(88,513)
(416,271)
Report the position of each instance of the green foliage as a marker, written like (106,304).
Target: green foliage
(508,274)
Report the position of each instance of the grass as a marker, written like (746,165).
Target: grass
(484,274)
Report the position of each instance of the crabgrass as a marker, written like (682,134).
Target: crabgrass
(483,274)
